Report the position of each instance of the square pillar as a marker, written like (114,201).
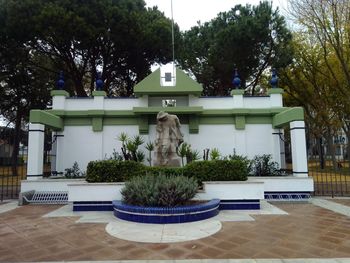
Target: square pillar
(298,144)
(59,99)
(275,97)
(277,146)
(59,145)
(35,151)
(237,98)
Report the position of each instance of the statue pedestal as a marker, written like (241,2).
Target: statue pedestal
(172,161)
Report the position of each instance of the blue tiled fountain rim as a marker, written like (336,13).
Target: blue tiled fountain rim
(119,205)
(165,215)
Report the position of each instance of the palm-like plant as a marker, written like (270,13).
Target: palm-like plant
(150,147)
(182,151)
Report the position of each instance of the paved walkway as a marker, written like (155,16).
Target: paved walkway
(307,231)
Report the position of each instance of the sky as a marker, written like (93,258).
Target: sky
(188,12)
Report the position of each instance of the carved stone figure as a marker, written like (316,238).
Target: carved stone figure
(168,139)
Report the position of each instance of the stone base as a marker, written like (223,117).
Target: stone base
(176,162)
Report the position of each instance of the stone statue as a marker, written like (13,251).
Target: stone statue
(168,139)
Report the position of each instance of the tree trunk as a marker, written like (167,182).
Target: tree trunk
(16,141)
(321,153)
(331,149)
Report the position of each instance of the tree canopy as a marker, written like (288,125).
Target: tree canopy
(121,38)
(249,38)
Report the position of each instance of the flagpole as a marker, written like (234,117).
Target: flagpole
(172,36)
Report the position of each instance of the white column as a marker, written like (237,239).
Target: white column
(53,152)
(298,143)
(283,152)
(59,152)
(35,151)
(276,146)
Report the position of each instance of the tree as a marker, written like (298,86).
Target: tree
(250,38)
(23,87)
(122,38)
(307,84)
(326,23)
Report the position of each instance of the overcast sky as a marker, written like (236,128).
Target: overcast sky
(188,12)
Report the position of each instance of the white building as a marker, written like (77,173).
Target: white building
(86,128)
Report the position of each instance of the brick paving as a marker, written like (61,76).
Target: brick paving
(341,201)
(307,232)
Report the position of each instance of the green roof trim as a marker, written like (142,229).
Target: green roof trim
(176,110)
(283,118)
(185,85)
(48,119)
(99,93)
(275,91)
(59,93)
(242,112)
(237,92)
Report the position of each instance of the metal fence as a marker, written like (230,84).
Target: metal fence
(11,174)
(329,179)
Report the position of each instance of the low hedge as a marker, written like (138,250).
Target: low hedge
(120,171)
(113,171)
(217,170)
(156,170)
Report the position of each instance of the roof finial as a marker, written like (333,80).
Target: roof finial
(236,81)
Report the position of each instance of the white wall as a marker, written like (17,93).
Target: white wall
(80,144)
(212,103)
(214,136)
(79,104)
(123,103)
(227,102)
(74,104)
(110,138)
(83,145)
(259,139)
(257,102)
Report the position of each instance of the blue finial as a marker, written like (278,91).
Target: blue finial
(274,79)
(60,81)
(236,81)
(99,81)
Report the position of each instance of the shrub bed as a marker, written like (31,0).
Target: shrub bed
(159,190)
(215,170)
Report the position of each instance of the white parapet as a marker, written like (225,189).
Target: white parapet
(235,190)
(94,191)
(48,185)
(285,183)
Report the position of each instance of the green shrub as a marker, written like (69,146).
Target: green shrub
(262,165)
(217,170)
(159,190)
(247,162)
(157,170)
(113,170)
(73,172)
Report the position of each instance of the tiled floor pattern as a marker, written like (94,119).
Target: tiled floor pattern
(308,231)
